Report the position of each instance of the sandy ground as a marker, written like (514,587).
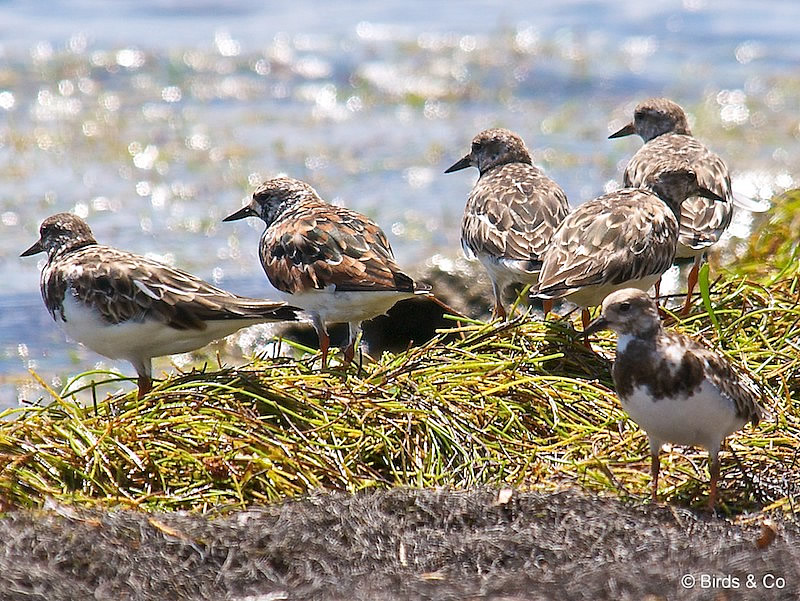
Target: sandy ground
(400,544)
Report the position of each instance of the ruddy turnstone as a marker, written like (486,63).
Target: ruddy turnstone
(675,388)
(333,262)
(663,126)
(511,213)
(624,239)
(125,306)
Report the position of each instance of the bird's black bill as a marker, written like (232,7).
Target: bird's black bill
(599,324)
(462,164)
(628,130)
(706,193)
(33,250)
(245,211)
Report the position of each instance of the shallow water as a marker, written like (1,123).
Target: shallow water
(154,119)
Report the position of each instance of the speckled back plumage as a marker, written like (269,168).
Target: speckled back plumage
(512,213)
(618,237)
(663,126)
(333,262)
(703,221)
(669,364)
(674,387)
(123,286)
(310,244)
(644,363)
(514,208)
(126,306)
(624,238)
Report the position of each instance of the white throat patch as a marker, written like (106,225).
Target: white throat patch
(623,340)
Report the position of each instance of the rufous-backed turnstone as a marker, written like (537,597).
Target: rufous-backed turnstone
(674,387)
(125,306)
(623,239)
(663,126)
(511,212)
(333,262)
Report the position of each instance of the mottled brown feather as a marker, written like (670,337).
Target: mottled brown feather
(123,286)
(645,362)
(512,212)
(621,236)
(313,245)
(703,221)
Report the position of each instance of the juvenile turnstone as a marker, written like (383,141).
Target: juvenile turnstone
(511,213)
(333,262)
(675,388)
(663,126)
(125,306)
(623,239)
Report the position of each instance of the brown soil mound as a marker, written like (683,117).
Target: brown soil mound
(399,544)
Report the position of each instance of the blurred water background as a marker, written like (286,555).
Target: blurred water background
(154,118)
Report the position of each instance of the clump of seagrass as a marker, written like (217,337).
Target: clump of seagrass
(774,248)
(520,403)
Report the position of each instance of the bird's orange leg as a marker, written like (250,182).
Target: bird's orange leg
(655,467)
(687,306)
(324,338)
(499,311)
(324,345)
(145,386)
(144,369)
(350,350)
(713,469)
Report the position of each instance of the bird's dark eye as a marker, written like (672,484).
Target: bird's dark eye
(476,146)
(624,307)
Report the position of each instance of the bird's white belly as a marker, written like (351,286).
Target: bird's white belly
(703,419)
(335,306)
(134,340)
(507,271)
(686,252)
(590,296)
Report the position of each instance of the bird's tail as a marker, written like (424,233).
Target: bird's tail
(243,307)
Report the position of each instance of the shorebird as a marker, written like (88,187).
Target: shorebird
(624,239)
(125,306)
(663,126)
(674,387)
(511,213)
(333,262)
